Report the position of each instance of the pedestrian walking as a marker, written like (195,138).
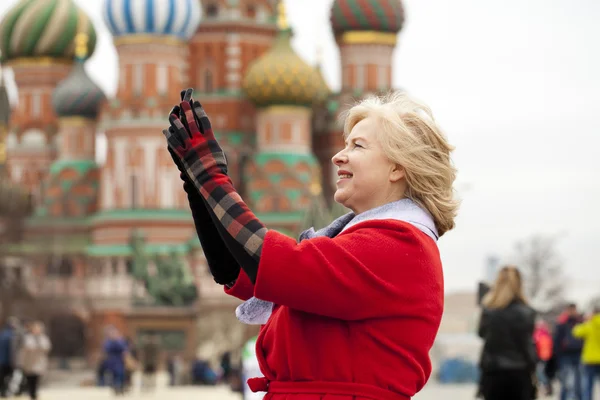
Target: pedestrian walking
(589,332)
(34,357)
(568,350)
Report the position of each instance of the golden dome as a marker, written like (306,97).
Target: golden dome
(281,77)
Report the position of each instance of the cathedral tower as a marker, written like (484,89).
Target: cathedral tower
(232,35)
(366,32)
(37,40)
(150,37)
(283,170)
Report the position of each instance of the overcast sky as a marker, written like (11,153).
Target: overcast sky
(515,85)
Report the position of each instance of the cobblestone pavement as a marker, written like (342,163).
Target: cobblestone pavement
(431,392)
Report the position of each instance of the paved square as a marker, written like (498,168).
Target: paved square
(431,392)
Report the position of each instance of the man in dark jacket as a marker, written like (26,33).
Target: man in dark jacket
(8,350)
(568,353)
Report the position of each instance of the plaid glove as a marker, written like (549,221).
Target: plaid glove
(193,142)
(222,265)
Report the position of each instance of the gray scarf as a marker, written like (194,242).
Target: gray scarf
(257,312)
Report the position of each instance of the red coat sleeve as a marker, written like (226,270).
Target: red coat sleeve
(243,288)
(374,269)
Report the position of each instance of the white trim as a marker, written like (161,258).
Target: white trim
(138,79)
(36,103)
(162,79)
(360,77)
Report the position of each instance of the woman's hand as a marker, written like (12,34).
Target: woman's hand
(192,141)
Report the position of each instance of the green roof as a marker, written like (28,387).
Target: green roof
(232,137)
(144,214)
(279,217)
(290,159)
(72,244)
(125,249)
(42,220)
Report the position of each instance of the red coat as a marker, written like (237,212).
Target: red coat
(356,315)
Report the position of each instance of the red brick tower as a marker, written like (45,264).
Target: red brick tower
(37,42)
(232,35)
(366,32)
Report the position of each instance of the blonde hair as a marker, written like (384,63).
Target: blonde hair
(411,138)
(507,288)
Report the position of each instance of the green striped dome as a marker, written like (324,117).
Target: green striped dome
(44,28)
(367,15)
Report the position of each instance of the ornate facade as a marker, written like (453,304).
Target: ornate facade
(272,112)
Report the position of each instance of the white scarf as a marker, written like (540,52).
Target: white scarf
(257,312)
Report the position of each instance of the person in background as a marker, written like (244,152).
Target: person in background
(8,353)
(34,357)
(508,359)
(590,333)
(543,344)
(226,366)
(150,352)
(568,349)
(131,361)
(115,348)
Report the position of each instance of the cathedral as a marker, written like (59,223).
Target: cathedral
(97,234)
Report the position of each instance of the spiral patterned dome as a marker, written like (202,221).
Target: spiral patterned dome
(281,77)
(178,18)
(44,28)
(78,95)
(367,15)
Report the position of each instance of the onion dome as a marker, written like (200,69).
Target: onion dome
(280,76)
(5,109)
(178,18)
(44,28)
(367,15)
(5,112)
(77,95)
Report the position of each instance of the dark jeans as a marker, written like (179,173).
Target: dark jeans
(569,375)
(591,373)
(507,384)
(33,382)
(6,372)
(118,380)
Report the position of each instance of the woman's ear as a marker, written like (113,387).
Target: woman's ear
(397,172)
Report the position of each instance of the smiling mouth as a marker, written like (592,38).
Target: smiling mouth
(345,176)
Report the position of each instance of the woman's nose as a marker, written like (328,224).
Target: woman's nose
(339,158)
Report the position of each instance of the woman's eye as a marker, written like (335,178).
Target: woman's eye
(357,145)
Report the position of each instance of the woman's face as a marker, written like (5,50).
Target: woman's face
(366,177)
(36,328)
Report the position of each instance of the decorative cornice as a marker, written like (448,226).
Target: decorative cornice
(37,62)
(368,37)
(77,121)
(305,110)
(149,39)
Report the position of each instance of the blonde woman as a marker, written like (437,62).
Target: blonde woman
(352,310)
(509,357)
(34,357)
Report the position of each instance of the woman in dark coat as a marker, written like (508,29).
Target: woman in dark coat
(350,311)
(508,359)
(115,348)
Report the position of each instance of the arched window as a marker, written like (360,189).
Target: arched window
(59,266)
(251,11)
(65,268)
(208,81)
(33,138)
(134,192)
(212,10)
